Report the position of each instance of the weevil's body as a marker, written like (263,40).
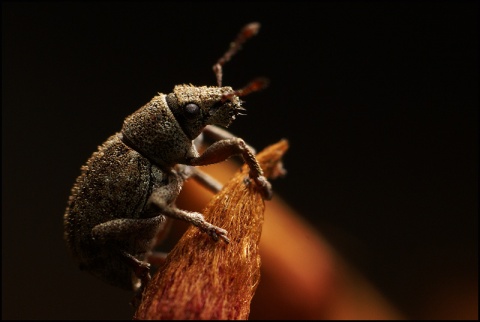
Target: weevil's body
(120,200)
(127,189)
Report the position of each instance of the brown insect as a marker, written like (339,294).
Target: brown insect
(128,187)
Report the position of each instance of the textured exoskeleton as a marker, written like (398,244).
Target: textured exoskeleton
(128,188)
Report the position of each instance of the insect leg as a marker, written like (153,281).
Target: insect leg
(216,133)
(206,180)
(224,149)
(194,218)
(143,230)
(209,182)
(140,269)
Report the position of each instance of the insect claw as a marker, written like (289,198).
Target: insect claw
(225,239)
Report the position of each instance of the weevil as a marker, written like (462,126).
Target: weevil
(127,189)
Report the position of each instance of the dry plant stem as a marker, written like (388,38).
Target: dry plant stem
(202,279)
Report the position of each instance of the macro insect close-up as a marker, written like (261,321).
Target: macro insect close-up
(127,189)
(134,185)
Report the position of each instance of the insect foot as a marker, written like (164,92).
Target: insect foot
(199,221)
(215,232)
(265,187)
(127,189)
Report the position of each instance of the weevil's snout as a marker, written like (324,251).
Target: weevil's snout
(225,110)
(196,107)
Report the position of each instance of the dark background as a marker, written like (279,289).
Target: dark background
(378,99)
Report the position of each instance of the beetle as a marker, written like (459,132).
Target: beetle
(127,189)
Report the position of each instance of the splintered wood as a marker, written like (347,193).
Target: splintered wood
(202,279)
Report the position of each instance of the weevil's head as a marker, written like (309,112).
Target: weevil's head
(196,107)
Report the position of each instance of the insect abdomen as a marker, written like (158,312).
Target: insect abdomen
(113,184)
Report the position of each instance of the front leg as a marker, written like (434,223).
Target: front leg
(217,133)
(224,149)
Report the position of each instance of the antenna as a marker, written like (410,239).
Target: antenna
(254,86)
(247,32)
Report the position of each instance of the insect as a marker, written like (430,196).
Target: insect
(127,189)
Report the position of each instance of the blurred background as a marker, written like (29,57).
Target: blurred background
(379,101)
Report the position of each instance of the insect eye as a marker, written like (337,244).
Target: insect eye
(191,109)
